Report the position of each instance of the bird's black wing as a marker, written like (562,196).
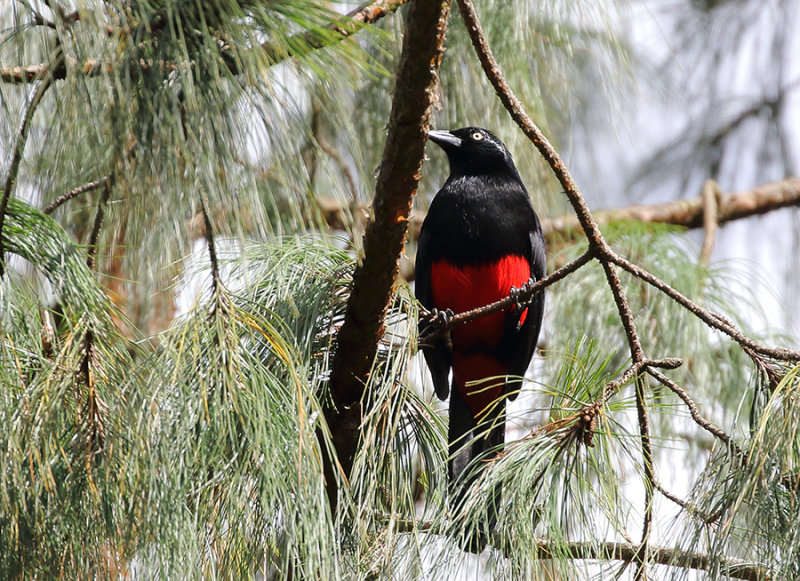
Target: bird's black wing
(525,343)
(437,354)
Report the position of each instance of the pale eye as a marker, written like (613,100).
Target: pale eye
(477,136)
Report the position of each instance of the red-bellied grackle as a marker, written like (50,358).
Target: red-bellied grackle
(480,241)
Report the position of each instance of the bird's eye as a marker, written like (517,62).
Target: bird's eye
(477,136)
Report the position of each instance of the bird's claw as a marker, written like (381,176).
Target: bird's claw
(517,293)
(442,317)
(440,320)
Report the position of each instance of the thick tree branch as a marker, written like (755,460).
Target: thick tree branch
(376,273)
(730,567)
(397,182)
(55,70)
(689,213)
(545,550)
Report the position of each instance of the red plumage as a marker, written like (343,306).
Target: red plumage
(463,288)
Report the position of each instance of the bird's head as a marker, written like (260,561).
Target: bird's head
(474,151)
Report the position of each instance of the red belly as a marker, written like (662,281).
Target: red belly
(475,357)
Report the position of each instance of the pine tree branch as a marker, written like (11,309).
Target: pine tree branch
(16,159)
(94,415)
(584,420)
(698,418)
(545,550)
(99,216)
(708,317)
(75,192)
(298,45)
(304,43)
(55,70)
(398,178)
(641,557)
(692,510)
(397,182)
(590,228)
(733,568)
(208,232)
(689,213)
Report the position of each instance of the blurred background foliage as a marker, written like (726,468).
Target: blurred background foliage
(160,423)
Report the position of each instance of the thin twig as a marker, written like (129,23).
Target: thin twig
(641,556)
(625,313)
(711,195)
(612,387)
(524,296)
(690,509)
(710,318)
(87,187)
(212,249)
(557,165)
(695,412)
(16,159)
(94,236)
(634,370)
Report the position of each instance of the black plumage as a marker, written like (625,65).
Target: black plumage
(480,239)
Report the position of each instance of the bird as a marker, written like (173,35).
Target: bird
(481,241)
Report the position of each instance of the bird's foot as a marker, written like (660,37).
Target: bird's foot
(441,321)
(441,318)
(516,295)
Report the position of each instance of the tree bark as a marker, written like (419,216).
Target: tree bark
(684,212)
(376,273)
(689,213)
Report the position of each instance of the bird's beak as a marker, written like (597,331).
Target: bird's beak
(444,139)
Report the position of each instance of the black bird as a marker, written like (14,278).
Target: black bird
(480,242)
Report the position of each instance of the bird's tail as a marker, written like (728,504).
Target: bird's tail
(472,443)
